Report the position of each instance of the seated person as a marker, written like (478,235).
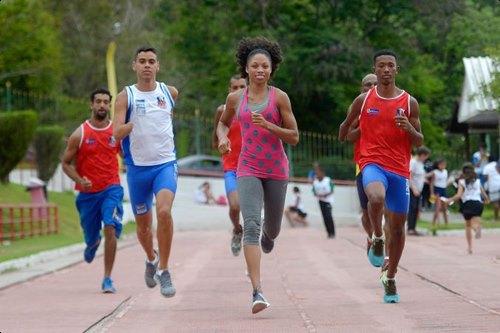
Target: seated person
(204,194)
(295,213)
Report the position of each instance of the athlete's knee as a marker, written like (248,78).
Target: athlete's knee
(164,215)
(251,230)
(376,199)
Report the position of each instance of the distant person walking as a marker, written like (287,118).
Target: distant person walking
(91,161)
(230,165)
(323,188)
(266,120)
(143,119)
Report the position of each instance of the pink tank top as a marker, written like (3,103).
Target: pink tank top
(262,154)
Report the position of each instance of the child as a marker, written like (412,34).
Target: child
(323,188)
(470,192)
(439,183)
(204,194)
(295,213)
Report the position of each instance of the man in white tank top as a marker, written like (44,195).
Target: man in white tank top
(143,121)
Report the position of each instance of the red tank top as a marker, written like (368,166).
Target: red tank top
(230,160)
(96,158)
(381,141)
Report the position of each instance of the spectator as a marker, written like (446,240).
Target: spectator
(417,179)
(491,173)
(479,160)
(439,183)
(204,194)
(295,213)
(323,190)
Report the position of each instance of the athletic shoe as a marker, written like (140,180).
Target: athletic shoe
(166,287)
(266,243)
(107,286)
(259,302)
(150,272)
(376,252)
(390,293)
(236,244)
(368,244)
(89,252)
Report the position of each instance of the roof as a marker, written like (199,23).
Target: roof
(476,107)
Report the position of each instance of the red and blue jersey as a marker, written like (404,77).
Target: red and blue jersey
(96,158)
(381,141)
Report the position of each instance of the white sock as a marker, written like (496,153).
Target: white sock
(152,261)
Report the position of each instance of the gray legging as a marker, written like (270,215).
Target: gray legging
(255,192)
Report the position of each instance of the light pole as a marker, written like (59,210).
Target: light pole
(110,65)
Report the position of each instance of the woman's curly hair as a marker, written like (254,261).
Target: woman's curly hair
(247,46)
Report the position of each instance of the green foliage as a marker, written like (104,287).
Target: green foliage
(16,132)
(49,142)
(29,46)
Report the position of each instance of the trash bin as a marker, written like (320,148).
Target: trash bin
(36,188)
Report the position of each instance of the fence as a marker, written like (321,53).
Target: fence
(28,220)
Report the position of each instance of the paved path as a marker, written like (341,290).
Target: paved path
(314,285)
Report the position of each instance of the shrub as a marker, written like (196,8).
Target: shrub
(49,142)
(16,132)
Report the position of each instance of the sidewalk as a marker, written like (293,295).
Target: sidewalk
(314,284)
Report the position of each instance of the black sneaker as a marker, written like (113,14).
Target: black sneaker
(259,302)
(266,243)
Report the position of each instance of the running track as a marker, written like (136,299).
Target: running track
(314,285)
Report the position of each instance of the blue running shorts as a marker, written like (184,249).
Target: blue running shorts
(144,181)
(230,181)
(363,200)
(397,188)
(104,207)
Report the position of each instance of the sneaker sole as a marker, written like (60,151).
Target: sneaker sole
(259,306)
(150,282)
(391,298)
(108,291)
(169,295)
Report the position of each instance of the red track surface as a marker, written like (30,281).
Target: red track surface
(314,285)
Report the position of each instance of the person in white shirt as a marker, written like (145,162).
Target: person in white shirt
(439,183)
(491,172)
(295,213)
(417,180)
(471,194)
(323,190)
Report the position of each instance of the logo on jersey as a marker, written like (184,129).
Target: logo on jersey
(112,141)
(162,103)
(90,141)
(140,107)
(400,112)
(372,112)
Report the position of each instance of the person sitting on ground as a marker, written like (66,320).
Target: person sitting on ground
(204,194)
(295,213)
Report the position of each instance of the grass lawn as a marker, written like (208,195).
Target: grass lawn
(69,224)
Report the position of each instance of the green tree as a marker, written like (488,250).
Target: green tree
(29,46)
